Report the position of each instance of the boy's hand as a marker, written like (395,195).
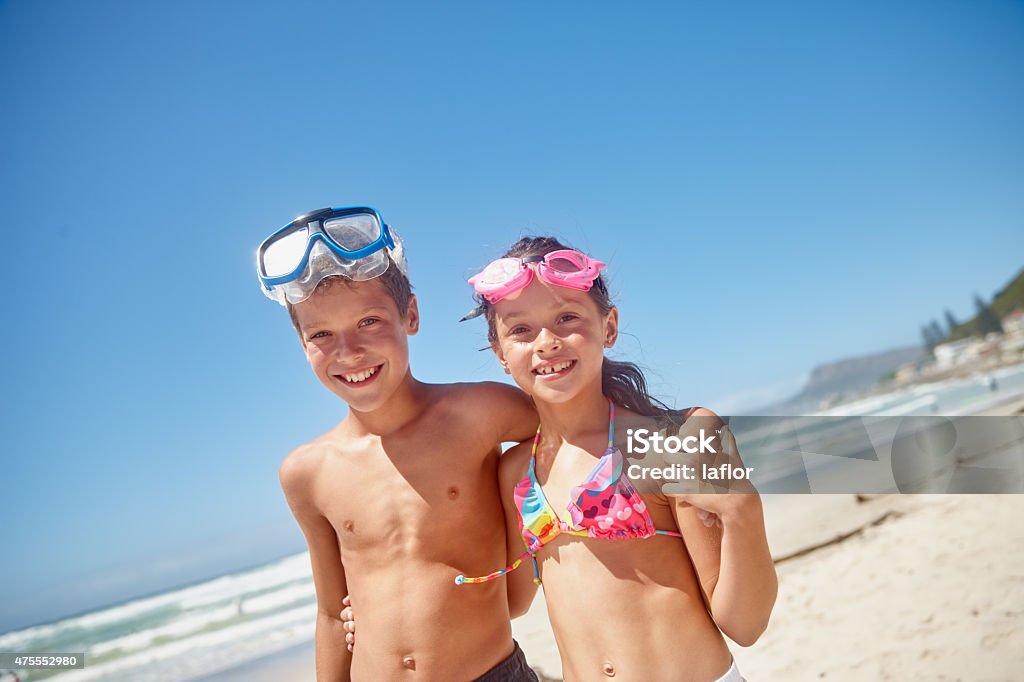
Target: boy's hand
(349,623)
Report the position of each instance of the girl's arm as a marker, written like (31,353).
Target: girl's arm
(732,560)
(739,582)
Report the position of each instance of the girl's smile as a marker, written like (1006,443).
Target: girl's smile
(554,370)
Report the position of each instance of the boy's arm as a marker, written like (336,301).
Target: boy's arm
(333,660)
(510,410)
(519,583)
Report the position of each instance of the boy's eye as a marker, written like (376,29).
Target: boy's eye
(368,322)
(318,335)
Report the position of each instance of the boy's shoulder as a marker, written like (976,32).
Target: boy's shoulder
(485,394)
(489,410)
(300,466)
(479,403)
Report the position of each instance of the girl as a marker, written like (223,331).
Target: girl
(638,587)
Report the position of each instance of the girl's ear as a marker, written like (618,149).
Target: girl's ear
(611,327)
(501,357)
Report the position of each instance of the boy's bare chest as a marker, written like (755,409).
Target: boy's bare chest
(406,498)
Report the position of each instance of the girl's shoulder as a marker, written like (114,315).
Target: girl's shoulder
(689,418)
(697,412)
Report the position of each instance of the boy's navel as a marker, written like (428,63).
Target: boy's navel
(453,492)
(349,527)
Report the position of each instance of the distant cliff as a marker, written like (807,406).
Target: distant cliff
(844,378)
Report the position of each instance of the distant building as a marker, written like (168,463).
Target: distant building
(956,353)
(1012,345)
(1013,324)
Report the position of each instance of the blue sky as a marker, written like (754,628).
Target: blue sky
(773,186)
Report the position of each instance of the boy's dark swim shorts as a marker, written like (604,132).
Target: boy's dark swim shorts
(512,669)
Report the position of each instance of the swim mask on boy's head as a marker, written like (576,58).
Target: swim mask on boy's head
(352,242)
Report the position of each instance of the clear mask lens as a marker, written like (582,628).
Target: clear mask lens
(283,255)
(353,232)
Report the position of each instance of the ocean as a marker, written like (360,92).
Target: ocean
(182,634)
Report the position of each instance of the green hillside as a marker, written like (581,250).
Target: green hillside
(1004,302)
(1012,296)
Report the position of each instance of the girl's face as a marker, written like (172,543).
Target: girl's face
(552,339)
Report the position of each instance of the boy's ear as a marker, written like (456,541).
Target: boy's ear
(611,327)
(412,316)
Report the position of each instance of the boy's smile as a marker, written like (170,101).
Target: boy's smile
(361,377)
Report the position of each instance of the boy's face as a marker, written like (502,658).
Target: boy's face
(356,340)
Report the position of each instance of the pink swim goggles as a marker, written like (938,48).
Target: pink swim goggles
(564,268)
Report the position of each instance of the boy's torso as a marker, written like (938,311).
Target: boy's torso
(411,511)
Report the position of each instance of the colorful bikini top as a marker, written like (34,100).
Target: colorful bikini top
(605,506)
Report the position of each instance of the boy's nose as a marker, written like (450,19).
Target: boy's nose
(348,348)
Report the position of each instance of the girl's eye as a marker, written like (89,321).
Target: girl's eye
(518,330)
(567,317)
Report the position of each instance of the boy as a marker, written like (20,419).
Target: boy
(401,496)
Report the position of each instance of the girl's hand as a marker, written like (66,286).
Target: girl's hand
(718,499)
(348,620)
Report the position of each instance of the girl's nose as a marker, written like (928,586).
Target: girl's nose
(547,341)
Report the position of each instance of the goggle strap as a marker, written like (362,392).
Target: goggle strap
(475,312)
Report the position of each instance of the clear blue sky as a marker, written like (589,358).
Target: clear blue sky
(773,185)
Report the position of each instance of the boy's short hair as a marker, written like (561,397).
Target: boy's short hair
(393,280)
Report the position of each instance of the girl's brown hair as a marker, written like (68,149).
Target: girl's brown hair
(623,382)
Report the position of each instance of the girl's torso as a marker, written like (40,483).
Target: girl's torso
(623,601)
